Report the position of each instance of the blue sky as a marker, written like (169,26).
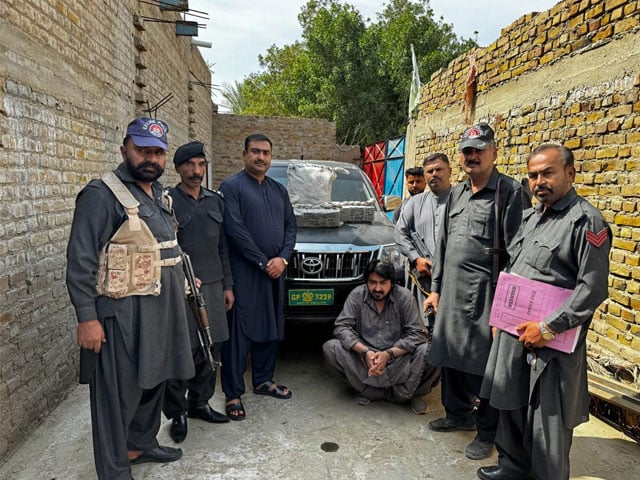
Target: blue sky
(240,30)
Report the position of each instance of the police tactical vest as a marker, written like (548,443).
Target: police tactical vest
(130,263)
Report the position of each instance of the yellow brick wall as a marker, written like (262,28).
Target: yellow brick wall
(569,75)
(71,78)
(291,137)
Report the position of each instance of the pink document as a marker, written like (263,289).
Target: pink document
(518,300)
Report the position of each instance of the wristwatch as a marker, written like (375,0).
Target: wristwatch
(545,332)
(285,261)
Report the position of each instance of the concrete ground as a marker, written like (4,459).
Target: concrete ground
(319,434)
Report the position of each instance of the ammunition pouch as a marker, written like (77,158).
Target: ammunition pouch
(130,263)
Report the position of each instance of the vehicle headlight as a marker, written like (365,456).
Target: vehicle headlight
(392,253)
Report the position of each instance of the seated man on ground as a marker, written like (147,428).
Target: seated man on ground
(381,343)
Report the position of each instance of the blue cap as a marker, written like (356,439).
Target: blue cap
(148,132)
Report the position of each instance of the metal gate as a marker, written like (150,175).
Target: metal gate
(383,162)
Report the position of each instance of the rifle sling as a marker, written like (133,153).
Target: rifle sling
(496,251)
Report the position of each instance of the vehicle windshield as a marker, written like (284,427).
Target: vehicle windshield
(347,187)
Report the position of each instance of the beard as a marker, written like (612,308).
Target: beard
(378,294)
(145,172)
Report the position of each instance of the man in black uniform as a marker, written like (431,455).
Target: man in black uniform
(199,213)
(542,393)
(132,321)
(482,216)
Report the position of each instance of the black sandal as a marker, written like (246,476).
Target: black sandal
(235,411)
(278,391)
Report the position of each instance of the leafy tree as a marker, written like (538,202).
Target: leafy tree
(344,70)
(347,86)
(282,87)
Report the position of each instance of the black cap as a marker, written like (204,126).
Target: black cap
(188,151)
(479,136)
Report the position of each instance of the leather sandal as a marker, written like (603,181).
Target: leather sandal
(235,411)
(273,390)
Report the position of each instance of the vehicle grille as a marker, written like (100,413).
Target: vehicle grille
(329,266)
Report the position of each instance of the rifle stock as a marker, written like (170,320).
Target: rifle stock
(199,309)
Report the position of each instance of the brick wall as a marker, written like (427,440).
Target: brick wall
(290,137)
(71,78)
(72,75)
(569,75)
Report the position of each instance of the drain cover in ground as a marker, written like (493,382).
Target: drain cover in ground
(329,447)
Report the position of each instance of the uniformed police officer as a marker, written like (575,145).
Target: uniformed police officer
(541,392)
(482,216)
(137,325)
(199,212)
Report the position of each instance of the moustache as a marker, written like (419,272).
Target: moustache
(148,164)
(196,177)
(147,171)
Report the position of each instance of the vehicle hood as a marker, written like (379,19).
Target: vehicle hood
(378,232)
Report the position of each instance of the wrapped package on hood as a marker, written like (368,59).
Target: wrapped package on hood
(309,183)
(317,216)
(356,212)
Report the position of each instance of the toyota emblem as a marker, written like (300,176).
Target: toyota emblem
(312,265)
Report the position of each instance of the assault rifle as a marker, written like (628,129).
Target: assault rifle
(199,309)
(421,282)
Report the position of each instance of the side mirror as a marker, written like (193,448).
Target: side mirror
(390,202)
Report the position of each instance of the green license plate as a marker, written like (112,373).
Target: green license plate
(312,296)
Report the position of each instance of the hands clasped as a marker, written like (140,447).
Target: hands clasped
(275,267)
(377,362)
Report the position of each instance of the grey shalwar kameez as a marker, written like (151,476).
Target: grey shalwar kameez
(542,403)
(398,210)
(201,235)
(398,325)
(462,274)
(423,213)
(147,337)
